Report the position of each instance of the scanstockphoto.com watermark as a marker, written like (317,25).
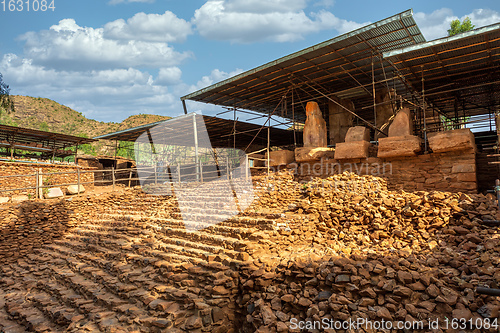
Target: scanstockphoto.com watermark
(367,324)
(328,168)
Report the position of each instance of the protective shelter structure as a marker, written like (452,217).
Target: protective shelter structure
(349,67)
(366,76)
(49,144)
(369,73)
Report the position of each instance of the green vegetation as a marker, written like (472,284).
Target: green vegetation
(6,118)
(44,126)
(125,149)
(48,115)
(452,123)
(5,101)
(457,27)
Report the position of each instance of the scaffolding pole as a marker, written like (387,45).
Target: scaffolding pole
(424,110)
(195,130)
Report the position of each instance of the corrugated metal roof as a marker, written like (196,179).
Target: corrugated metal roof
(179,131)
(40,141)
(335,65)
(461,73)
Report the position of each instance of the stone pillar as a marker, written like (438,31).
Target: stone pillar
(315,134)
(401,141)
(340,119)
(384,111)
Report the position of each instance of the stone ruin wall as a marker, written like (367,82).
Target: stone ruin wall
(448,171)
(450,164)
(14,168)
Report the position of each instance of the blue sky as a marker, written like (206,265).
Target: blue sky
(110,59)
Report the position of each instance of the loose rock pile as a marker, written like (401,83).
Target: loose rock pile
(376,255)
(335,249)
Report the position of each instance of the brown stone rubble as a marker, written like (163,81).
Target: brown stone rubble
(338,248)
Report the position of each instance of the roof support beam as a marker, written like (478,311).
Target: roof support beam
(343,107)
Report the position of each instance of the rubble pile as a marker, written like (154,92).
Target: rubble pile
(334,249)
(30,225)
(343,253)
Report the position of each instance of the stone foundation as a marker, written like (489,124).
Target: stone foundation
(399,146)
(15,168)
(351,150)
(449,171)
(455,140)
(281,157)
(306,154)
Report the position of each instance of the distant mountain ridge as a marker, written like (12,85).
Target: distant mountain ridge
(47,115)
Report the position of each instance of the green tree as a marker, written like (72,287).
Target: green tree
(125,149)
(457,27)
(88,148)
(5,101)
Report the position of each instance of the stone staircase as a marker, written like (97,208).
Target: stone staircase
(132,263)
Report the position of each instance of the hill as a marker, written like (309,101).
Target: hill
(47,115)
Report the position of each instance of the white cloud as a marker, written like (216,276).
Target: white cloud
(106,95)
(279,21)
(169,76)
(166,27)
(69,46)
(483,17)
(436,24)
(115,2)
(265,6)
(215,76)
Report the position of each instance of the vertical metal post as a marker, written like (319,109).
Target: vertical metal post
(195,129)
(497,189)
(424,111)
(227,167)
(179,173)
(201,172)
(113,176)
(36,184)
(130,178)
(78,180)
(293,117)
(463,111)
(40,184)
(268,145)
(247,167)
(374,99)
(234,128)
(12,147)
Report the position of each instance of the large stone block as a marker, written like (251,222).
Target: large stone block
(19,198)
(307,154)
(73,189)
(402,125)
(351,150)
(398,146)
(281,157)
(314,134)
(357,133)
(340,119)
(54,192)
(462,168)
(459,139)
